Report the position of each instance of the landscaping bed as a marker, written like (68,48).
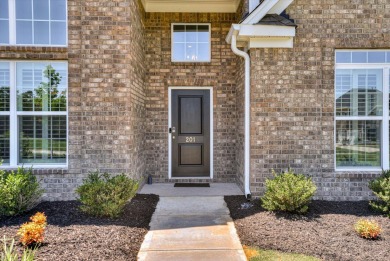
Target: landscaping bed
(326,231)
(73,235)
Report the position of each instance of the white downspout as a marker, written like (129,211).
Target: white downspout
(247,114)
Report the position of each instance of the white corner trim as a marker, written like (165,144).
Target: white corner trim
(191,6)
(210,89)
(267,7)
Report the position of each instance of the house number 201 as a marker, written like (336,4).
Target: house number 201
(190,139)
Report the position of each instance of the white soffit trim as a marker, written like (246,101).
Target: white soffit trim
(191,6)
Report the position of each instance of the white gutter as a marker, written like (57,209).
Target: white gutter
(247,112)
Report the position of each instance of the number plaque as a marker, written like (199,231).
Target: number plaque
(190,139)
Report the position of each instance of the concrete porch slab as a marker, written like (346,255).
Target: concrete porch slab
(168,190)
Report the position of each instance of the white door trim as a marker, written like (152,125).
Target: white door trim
(210,89)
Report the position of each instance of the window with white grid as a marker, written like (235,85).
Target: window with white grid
(33,113)
(33,22)
(191,43)
(362,109)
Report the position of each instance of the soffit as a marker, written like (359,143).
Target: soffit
(191,6)
(264,27)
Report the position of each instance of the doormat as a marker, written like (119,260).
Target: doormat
(192,185)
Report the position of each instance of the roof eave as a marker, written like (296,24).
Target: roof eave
(266,7)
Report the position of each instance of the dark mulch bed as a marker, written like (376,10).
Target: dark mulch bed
(325,232)
(72,235)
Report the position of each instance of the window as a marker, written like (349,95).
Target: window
(191,43)
(362,109)
(33,22)
(33,113)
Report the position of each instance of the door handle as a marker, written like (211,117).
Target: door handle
(172,130)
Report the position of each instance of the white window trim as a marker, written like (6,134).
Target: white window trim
(13,114)
(12,27)
(385,118)
(185,61)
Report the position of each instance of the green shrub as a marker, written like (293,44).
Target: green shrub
(381,188)
(288,192)
(105,195)
(19,191)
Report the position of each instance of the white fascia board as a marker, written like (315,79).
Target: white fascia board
(267,7)
(260,12)
(234,29)
(246,32)
(280,6)
(265,31)
(271,42)
(191,6)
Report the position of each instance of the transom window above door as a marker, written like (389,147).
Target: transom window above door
(33,22)
(191,43)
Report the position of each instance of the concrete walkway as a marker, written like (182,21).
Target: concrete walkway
(193,228)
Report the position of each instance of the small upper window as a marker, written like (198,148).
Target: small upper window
(32,22)
(191,43)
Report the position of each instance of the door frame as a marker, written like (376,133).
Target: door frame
(210,89)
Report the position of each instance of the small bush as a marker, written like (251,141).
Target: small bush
(368,229)
(33,232)
(105,195)
(288,192)
(19,191)
(381,188)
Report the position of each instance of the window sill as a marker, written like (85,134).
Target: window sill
(187,62)
(62,167)
(361,169)
(34,48)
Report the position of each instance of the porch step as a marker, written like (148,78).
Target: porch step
(168,190)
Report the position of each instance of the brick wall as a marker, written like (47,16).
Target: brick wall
(106,95)
(162,73)
(293,94)
(106,91)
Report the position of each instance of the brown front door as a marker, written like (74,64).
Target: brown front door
(190,133)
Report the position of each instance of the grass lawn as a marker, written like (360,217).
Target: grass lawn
(256,254)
